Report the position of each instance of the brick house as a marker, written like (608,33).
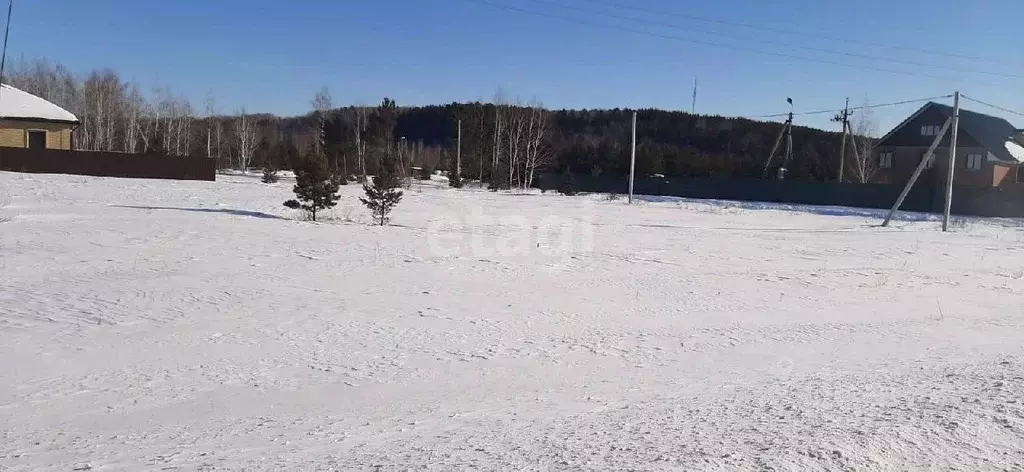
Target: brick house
(989,150)
(27,121)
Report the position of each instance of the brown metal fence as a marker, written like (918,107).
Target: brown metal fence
(107,164)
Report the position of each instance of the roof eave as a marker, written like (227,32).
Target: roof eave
(39,120)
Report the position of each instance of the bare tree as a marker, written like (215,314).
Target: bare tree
(133,104)
(359,129)
(211,110)
(862,164)
(246,131)
(499,135)
(538,151)
(321,106)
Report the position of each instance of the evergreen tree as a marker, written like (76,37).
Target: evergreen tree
(269,173)
(315,187)
(454,179)
(568,184)
(384,194)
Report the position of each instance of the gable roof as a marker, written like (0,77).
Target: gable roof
(991,132)
(20,105)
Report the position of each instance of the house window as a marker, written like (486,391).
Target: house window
(975,161)
(930,130)
(37,139)
(885,160)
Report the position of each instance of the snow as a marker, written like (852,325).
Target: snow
(1016,151)
(15,103)
(150,325)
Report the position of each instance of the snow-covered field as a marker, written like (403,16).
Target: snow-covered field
(161,325)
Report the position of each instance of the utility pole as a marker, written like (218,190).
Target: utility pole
(789,142)
(917,172)
(775,147)
(845,119)
(632,161)
(458,153)
(789,148)
(952,161)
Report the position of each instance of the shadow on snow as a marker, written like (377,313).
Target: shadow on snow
(248,213)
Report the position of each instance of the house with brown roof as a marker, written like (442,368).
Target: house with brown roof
(990,150)
(28,121)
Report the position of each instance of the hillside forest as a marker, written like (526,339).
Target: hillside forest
(504,142)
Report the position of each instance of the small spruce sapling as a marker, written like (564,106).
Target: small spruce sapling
(383,194)
(269,173)
(568,183)
(316,188)
(454,179)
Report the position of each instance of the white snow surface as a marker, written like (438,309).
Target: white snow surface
(17,103)
(1016,150)
(158,325)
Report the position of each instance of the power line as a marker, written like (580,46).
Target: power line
(863,107)
(1007,110)
(788,32)
(773,43)
(713,44)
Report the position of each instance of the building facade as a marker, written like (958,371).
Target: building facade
(982,156)
(27,121)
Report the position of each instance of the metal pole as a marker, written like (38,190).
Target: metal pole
(842,148)
(632,161)
(917,172)
(952,161)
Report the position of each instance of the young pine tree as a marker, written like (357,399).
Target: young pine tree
(384,194)
(568,184)
(269,173)
(454,179)
(316,188)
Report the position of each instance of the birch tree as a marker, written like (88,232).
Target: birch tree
(862,163)
(321,106)
(245,129)
(211,110)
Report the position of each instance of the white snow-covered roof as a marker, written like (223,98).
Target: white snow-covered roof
(18,104)
(1016,151)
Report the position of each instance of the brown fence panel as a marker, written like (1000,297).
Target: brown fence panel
(107,164)
(1005,201)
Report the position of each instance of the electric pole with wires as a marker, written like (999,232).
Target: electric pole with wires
(785,132)
(843,118)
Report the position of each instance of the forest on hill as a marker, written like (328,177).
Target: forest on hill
(504,142)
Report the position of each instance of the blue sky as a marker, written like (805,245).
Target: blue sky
(272,56)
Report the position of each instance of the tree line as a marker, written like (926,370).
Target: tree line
(505,143)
